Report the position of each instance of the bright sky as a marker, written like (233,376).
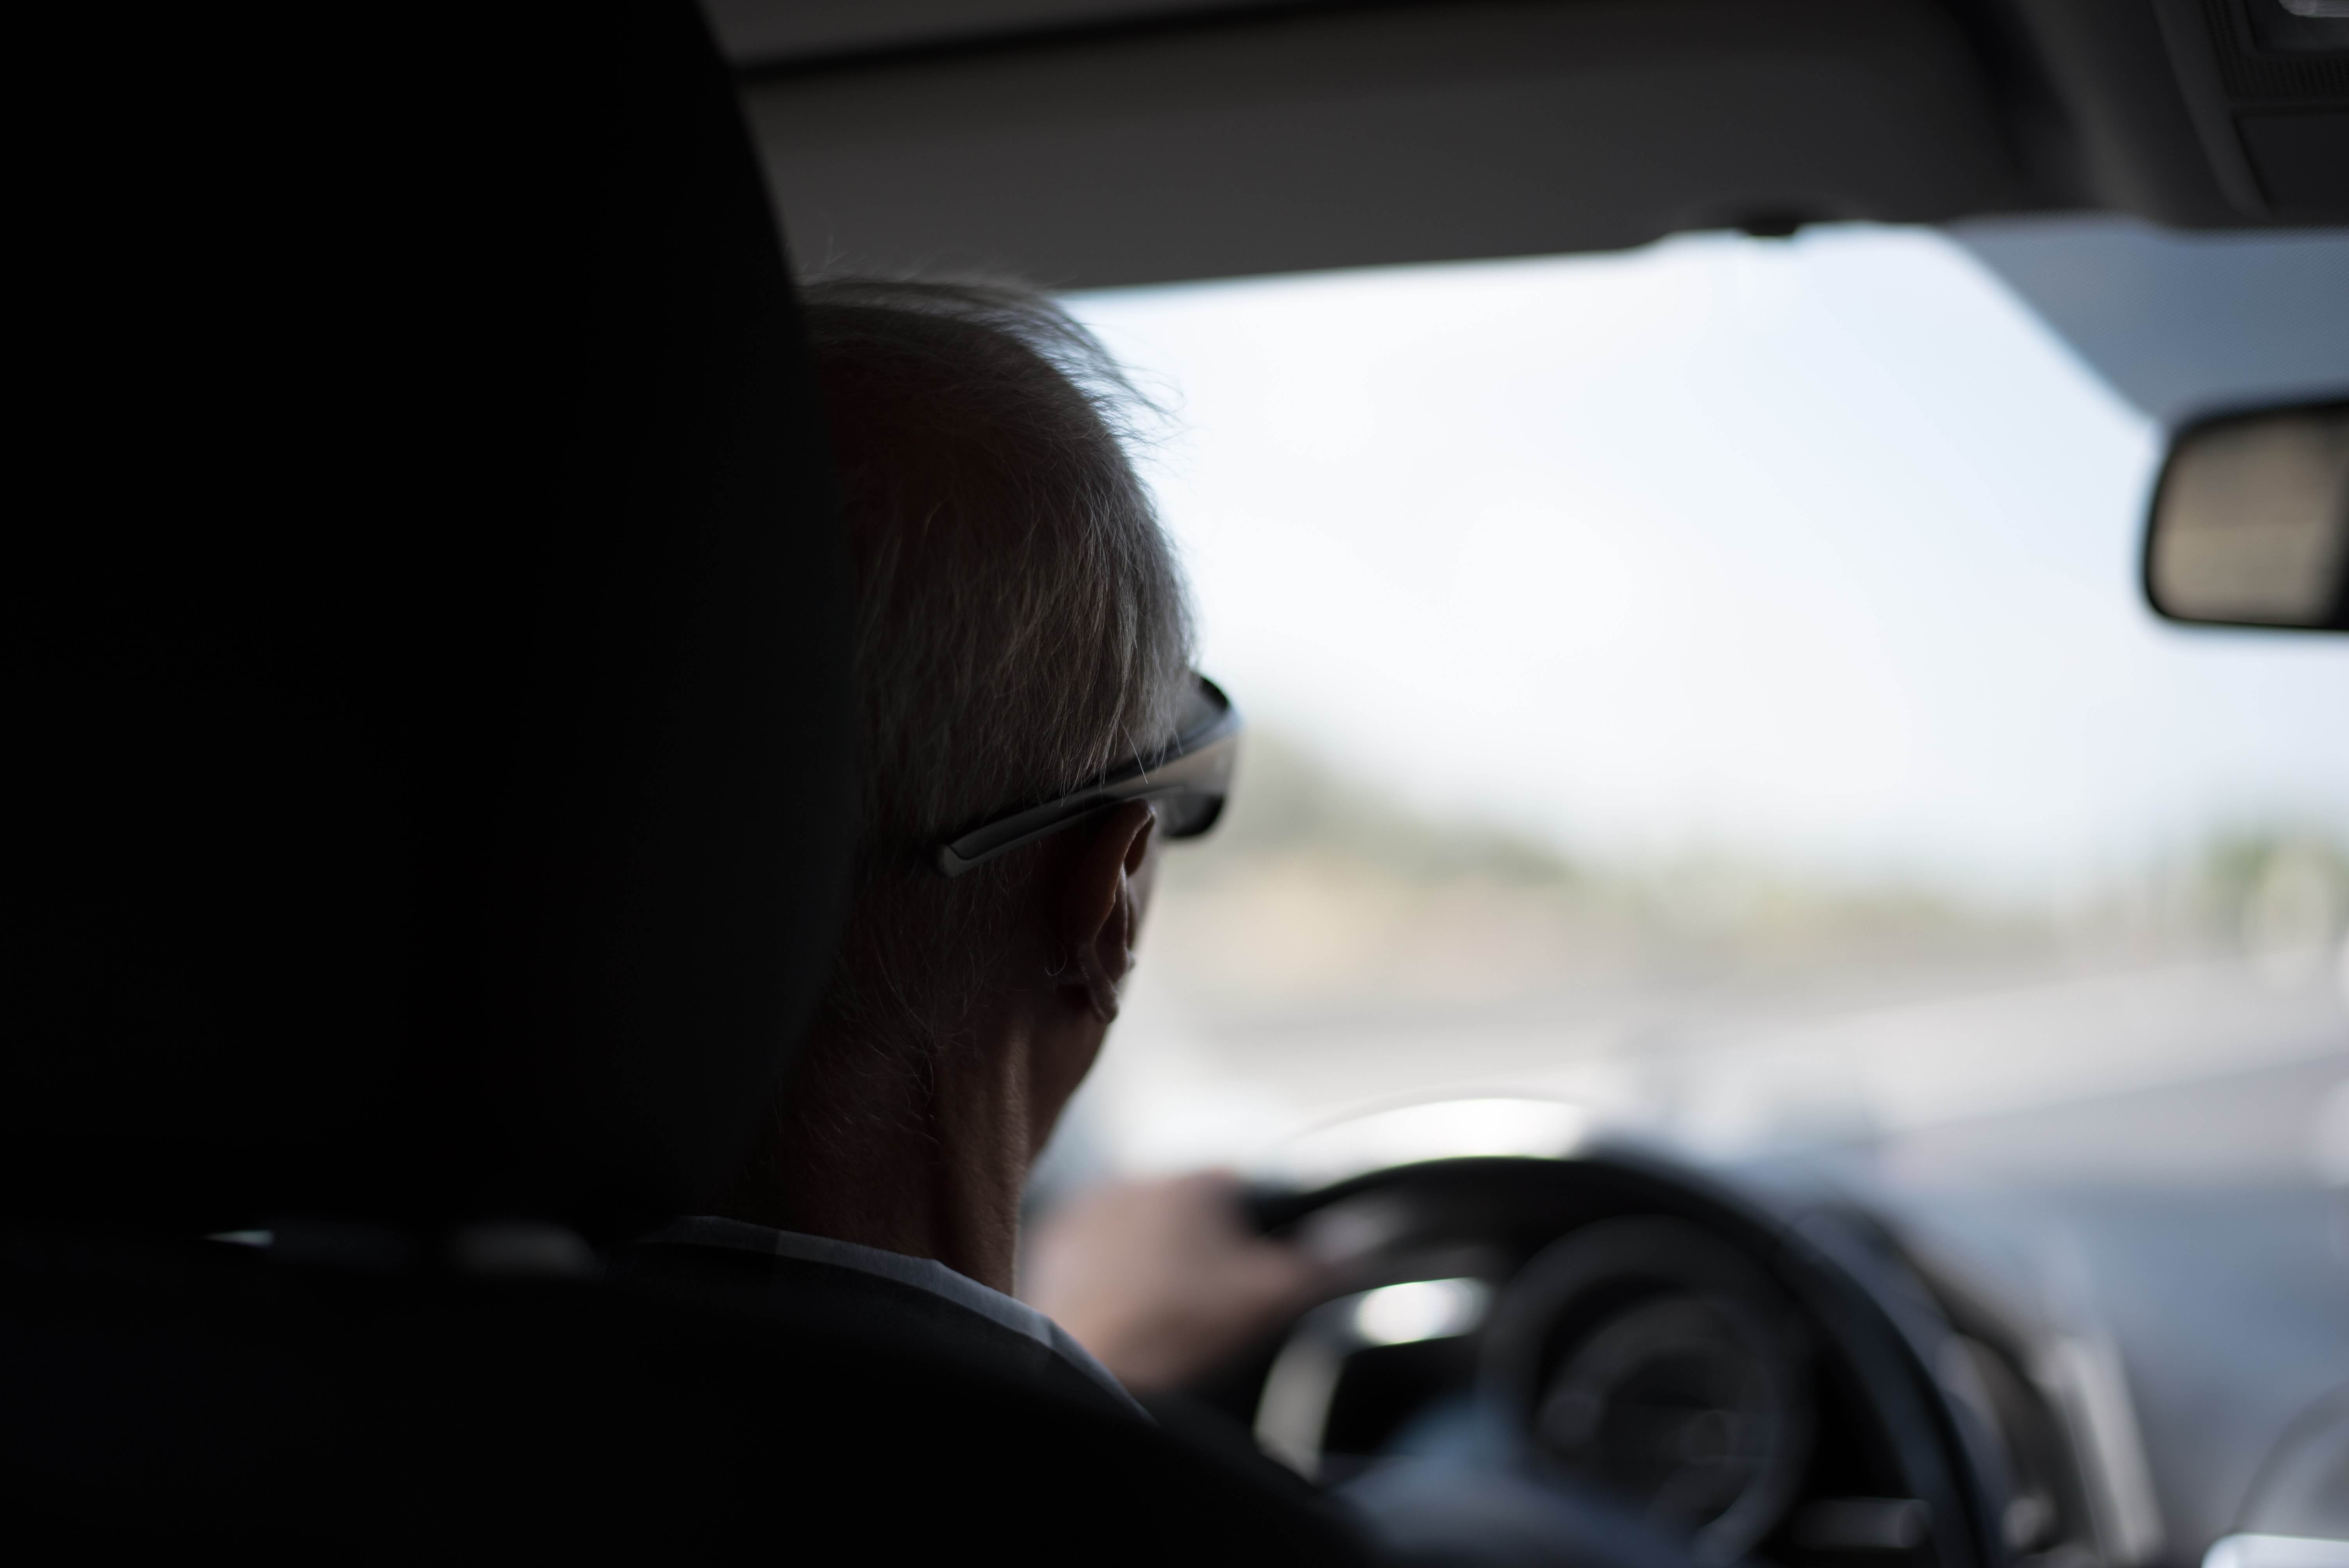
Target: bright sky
(1822,550)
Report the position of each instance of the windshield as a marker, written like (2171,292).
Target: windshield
(1708,684)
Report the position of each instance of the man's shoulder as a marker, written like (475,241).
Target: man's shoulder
(832,1308)
(855,1348)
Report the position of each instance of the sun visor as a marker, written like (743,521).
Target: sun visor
(1310,139)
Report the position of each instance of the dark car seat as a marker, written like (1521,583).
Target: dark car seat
(432,737)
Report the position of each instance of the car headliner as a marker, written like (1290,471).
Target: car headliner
(1088,143)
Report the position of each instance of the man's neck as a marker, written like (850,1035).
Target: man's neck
(929,1165)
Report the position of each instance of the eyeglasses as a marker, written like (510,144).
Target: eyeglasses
(1188,781)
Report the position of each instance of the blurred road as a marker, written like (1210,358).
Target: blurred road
(2199,1073)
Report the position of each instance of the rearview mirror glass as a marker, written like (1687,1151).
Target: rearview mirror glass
(2251,521)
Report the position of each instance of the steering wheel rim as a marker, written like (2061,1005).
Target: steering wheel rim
(1875,1322)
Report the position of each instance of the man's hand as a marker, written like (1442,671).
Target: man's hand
(1160,1280)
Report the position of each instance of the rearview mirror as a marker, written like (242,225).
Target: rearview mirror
(2251,521)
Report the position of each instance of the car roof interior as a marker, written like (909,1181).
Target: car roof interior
(1091,143)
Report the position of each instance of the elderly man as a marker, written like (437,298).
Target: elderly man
(1031,732)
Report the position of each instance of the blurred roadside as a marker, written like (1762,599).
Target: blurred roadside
(1319,896)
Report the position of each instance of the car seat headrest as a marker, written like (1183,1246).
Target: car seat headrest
(439,724)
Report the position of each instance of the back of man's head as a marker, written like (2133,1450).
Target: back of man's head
(1021,624)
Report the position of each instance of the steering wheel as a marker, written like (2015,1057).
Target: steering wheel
(1622,1357)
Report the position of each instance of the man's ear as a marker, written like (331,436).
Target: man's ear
(1098,910)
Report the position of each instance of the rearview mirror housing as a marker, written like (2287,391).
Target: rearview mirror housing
(2249,524)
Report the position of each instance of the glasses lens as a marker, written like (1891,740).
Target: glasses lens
(1187,816)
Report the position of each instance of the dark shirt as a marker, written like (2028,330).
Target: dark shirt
(864,1295)
(1019,1405)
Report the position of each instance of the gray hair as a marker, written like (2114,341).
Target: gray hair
(1021,624)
